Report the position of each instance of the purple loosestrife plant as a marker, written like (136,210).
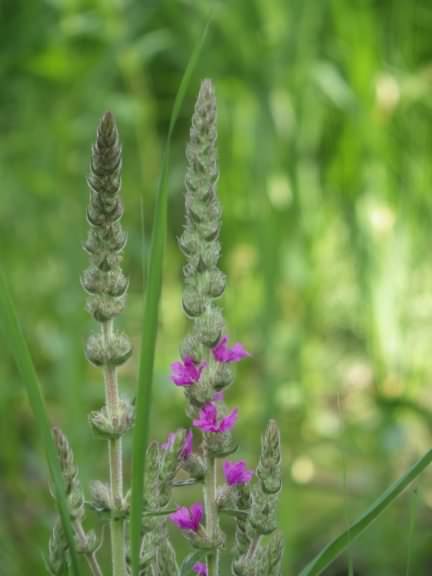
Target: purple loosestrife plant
(204,371)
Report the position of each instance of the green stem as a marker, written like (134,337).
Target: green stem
(211,514)
(115,452)
(90,556)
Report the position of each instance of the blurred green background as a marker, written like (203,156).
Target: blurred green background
(325,136)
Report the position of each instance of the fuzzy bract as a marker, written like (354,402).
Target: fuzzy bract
(186,450)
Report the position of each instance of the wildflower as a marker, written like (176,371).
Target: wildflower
(187,372)
(226,354)
(208,419)
(236,473)
(186,450)
(188,518)
(200,568)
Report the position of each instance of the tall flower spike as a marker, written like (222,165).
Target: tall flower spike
(106,286)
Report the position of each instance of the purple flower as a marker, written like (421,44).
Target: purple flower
(208,419)
(200,568)
(236,473)
(188,518)
(226,354)
(218,396)
(186,450)
(187,372)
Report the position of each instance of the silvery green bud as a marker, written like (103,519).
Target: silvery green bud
(100,497)
(195,466)
(222,376)
(242,533)
(274,550)
(167,558)
(115,352)
(221,444)
(191,346)
(86,543)
(263,511)
(169,464)
(151,485)
(109,426)
(244,566)
(209,326)
(268,470)
(70,474)
(57,547)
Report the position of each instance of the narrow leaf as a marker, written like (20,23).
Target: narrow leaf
(14,337)
(337,546)
(150,320)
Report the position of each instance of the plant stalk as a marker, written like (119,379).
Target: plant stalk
(92,562)
(211,514)
(112,399)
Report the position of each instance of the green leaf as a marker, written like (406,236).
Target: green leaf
(337,546)
(14,337)
(189,561)
(150,320)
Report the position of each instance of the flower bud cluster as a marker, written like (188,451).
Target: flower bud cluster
(85,542)
(109,426)
(104,280)
(57,548)
(69,472)
(203,281)
(253,556)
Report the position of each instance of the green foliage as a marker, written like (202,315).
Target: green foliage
(325,149)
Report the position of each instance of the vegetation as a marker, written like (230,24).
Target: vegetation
(324,147)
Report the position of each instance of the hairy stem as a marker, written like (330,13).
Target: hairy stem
(211,514)
(115,463)
(92,562)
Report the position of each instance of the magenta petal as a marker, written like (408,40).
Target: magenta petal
(207,418)
(196,514)
(228,422)
(200,568)
(225,354)
(188,518)
(187,372)
(238,352)
(236,473)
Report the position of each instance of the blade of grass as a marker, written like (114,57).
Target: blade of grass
(335,548)
(16,342)
(412,523)
(150,320)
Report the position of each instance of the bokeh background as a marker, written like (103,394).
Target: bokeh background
(325,135)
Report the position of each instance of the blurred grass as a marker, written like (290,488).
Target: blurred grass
(325,151)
